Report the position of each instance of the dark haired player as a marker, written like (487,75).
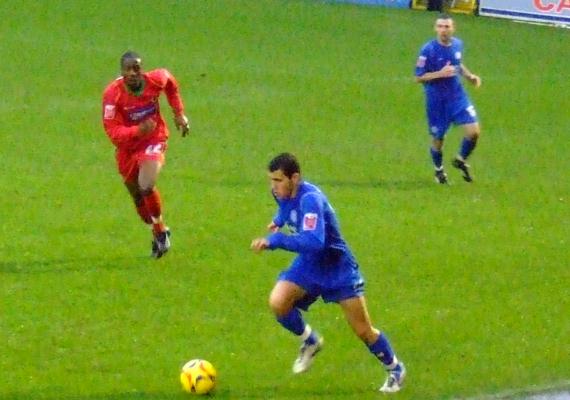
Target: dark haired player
(439,68)
(132,120)
(324,267)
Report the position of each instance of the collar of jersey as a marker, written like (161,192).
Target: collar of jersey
(138,92)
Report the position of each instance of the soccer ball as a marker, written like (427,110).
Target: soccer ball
(198,377)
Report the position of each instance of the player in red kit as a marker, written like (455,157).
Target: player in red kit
(132,120)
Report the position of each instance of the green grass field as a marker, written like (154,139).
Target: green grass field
(470,282)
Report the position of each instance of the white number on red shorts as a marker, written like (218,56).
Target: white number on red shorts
(153,149)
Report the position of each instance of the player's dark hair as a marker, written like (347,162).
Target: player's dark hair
(129,55)
(285,162)
(444,16)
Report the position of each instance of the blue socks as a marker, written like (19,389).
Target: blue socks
(467,146)
(436,156)
(383,351)
(293,322)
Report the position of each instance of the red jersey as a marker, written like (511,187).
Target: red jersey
(123,110)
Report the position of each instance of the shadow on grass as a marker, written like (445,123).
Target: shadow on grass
(72,264)
(255,392)
(113,396)
(261,392)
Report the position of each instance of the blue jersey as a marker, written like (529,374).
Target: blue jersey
(325,265)
(433,57)
(446,99)
(315,233)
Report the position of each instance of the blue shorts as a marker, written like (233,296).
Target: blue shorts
(440,118)
(333,283)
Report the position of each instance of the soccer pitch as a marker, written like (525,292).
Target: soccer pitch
(470,282)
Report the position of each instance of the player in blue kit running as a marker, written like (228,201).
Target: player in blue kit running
(324,267)
(440,67)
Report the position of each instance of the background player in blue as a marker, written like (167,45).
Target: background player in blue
(324,267)
(439,67)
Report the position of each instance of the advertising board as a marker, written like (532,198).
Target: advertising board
(548,11)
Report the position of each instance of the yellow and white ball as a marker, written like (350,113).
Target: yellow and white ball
(198,377)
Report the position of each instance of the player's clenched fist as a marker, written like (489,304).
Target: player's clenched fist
(147,126)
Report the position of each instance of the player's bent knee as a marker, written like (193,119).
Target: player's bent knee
(472,132)
(145,191)
(279,306)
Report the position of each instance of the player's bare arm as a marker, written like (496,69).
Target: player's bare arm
(446,72)
(470,76)
(272,227)
(182,124)
(259,244)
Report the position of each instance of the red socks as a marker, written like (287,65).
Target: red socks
(152,204)
(143,213)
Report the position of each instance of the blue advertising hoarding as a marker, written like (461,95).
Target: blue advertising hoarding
(548,11)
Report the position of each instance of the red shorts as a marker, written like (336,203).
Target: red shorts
(129,162)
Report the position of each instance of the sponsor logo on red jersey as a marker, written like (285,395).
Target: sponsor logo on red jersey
(109,112)
(140,113)
(310,222)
